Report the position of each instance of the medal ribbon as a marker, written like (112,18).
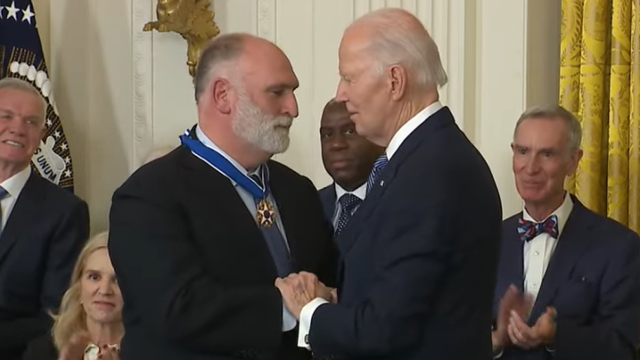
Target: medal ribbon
(221,163)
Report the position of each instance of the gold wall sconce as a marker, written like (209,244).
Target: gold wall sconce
(192,19)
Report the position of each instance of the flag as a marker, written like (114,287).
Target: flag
(21,56)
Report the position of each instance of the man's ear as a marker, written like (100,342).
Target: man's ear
(576,156)
(398,78)
(220,95)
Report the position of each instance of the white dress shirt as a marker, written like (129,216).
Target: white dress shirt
(360,192)
(398,138)
(538,251)
(13,186)
(288,320)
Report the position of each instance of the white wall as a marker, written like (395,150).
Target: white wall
(121,91)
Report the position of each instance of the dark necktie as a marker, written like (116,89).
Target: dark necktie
(529,229)
(275,242)
(378,166)
(348,205)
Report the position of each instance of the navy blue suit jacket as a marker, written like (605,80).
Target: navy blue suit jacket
(40,243)
(419,257)
(593,281)
(328,199)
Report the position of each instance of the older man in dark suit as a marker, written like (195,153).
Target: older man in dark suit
(199,236)
(348,159)
(43,227)
(419,257)
(569,279)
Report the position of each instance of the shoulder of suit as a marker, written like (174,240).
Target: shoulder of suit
(612,228)
(167,164)
(53,191)
(327,189)
(513,219)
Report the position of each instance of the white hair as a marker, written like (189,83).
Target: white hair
(397,41)
(552,112)
(21,85)
(267,132)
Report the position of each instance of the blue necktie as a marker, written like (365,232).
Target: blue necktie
(276,242)
(378,166)
(348,205)
(3,194)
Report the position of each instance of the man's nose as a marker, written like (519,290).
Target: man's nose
(341,93)
(291,106)
(338,143)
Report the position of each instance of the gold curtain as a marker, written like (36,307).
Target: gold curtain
(600,84)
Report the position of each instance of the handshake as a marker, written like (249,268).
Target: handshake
(300,289)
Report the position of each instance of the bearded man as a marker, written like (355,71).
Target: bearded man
(198,237)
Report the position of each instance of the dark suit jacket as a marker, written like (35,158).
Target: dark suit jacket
(196,274)
(328,199)
(41,348)
(419,257)
(593,281)
(40,243)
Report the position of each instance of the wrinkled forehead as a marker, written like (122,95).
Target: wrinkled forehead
(542,133)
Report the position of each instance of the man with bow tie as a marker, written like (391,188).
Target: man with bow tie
(568,282)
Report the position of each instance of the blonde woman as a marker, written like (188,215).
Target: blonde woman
(89,323)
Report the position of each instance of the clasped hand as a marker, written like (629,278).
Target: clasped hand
(511,328)
(300,289)
(75,349)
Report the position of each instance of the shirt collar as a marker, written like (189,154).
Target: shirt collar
(210,144)
(15,183)
(562,213)
(360,192)
(406,129)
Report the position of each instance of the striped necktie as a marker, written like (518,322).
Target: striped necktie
(378,166)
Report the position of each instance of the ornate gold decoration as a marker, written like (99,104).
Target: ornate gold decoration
(192,19)
(266,214)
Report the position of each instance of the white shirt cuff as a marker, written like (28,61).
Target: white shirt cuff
(288,320)
(305,321)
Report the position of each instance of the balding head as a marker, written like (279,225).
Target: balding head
(390,70)
(395,36)
(244,90)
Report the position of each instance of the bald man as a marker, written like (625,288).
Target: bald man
(199,236)
(348,159)
(419,257)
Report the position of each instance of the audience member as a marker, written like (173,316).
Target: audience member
(88,325)
(43,227)
(569,280)
(348,158)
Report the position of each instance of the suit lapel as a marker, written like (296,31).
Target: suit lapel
(24,209)
(573,242)
(442,117)
(229,207)
(328,198)
(512,272)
